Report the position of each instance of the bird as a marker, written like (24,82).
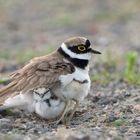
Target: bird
(49,85)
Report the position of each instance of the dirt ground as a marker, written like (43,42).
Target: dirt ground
(32,28)
(107,113)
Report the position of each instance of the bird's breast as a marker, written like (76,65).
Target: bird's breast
(77,90)
(77,85)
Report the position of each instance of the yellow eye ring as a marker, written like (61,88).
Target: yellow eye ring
(81,48)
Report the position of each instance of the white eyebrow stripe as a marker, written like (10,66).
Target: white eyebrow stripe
(85,56)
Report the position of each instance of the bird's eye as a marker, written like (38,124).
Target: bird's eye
(81,48)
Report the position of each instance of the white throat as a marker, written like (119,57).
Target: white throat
(86,56)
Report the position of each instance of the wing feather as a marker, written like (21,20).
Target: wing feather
(41,71)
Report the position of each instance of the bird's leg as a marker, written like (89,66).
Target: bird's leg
(73,111)
(67,102)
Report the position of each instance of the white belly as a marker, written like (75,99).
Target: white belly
(76,90)
(72,89)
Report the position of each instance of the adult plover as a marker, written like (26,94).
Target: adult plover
(49,84)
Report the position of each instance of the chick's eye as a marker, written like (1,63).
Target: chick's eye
(81,48)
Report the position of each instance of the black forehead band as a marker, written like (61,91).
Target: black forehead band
(81,45)
(88,43)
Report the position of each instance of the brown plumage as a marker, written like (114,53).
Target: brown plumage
(42,71)
(74,41)
(64,74)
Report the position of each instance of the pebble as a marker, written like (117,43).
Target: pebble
(113,132)
(137,107)
(127,94)
(108,100)
(112,118)
(95,98)
(136,120)
(29,125)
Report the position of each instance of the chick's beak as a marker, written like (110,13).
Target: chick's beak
(94,51)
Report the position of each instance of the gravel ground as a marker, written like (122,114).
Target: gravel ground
(111,111)
(107,113)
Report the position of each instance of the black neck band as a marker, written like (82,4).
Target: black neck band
(81,63)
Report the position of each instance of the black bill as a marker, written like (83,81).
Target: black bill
(94,51)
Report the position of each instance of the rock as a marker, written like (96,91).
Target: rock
(95,98)
(112,118)
(127,94)
(29,125)
(113,132)
(137,107)
(5,123)
(108,100)
(136,120)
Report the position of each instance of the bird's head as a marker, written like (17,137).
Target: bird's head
(77,48)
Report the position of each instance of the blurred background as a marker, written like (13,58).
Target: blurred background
(30,28)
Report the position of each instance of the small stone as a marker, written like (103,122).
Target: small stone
(113,117)
(136,120)
(137,107)
(113,133)
(29,125)
(123,130)
(109,100)
(138,133)
(95,98)
(127,94)
(23,126)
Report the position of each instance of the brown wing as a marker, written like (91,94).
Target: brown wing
(42,71)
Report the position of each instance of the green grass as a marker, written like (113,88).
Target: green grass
(110,65)
(120,122)
(3,81)
(131,72)
(7,112)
